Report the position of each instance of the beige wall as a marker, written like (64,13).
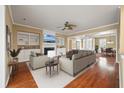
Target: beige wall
(122,30)
(121,39)
(8,22)
(81,43)
(71,44)
(108,38)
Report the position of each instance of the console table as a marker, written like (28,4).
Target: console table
(14,65)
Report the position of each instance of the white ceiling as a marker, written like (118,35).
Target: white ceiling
(50,17)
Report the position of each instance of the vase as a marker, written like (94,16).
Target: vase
(15,59)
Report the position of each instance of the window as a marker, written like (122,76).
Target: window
(102,43)
(77,44)
(88,44)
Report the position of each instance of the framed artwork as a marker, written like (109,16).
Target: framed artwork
(60,42)
(28,40)
(23,38)
(8,38)
(34,39)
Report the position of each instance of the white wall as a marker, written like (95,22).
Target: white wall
(2,46)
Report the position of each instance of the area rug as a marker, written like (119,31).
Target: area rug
(57,80)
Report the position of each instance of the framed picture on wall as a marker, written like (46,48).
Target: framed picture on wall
(60,42)
(22,38)
(8,38)
(34,39)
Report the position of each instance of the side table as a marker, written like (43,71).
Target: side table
(14,65)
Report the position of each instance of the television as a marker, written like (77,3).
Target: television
(48,38)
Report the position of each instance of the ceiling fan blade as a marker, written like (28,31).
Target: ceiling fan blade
(67,26)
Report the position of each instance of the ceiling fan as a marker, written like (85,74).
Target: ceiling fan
(67,26)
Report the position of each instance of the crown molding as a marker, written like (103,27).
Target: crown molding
(70,33)
(99,27)
(29,26)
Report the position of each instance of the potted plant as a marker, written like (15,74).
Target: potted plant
(96,48)
(14,53)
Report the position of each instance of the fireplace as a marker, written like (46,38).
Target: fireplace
(47,49)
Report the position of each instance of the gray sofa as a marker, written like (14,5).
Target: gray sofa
(79,61)
(38,61)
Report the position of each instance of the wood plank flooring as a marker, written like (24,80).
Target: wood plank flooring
(103,74)
(22,78)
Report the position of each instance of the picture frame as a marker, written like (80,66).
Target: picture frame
(8,39)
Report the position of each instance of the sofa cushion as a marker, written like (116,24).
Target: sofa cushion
(69,54)
(75,51)
(84,54)
(77,56)
(32,54)
(39,54)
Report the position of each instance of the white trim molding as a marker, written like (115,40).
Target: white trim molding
(18,24)
(99,27)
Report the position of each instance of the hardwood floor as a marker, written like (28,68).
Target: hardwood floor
(103,74)
(22,78)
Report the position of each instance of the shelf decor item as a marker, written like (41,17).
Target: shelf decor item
(14,53)
(96,48)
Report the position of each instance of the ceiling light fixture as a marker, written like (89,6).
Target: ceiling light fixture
(110,41)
